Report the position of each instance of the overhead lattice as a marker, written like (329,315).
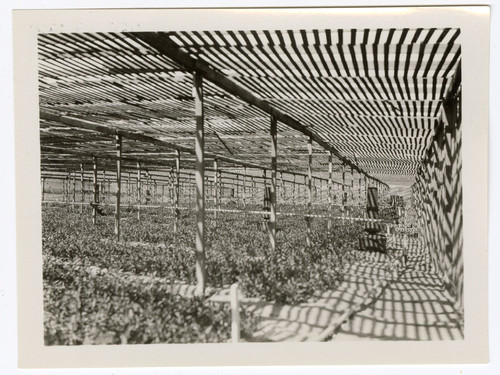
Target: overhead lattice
(374,95)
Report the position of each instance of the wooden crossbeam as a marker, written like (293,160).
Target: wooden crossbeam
(167,47)
(91,125)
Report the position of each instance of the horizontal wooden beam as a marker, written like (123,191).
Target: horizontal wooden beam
(90,125)
(162,43)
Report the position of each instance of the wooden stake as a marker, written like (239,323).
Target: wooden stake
(235,313)
(200,185)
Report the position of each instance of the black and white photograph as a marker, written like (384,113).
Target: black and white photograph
(260,185)
(251,184)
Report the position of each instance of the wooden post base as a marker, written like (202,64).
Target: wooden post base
(373,242)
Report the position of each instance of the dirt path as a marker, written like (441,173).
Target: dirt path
(382,298)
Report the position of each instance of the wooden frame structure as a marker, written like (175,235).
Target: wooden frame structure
(370,100)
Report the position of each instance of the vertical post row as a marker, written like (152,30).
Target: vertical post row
(200,185)
(96,192)
(138,191)
(274,164)
(118,147)
(309,191)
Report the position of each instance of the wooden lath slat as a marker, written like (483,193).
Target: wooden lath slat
(404,66)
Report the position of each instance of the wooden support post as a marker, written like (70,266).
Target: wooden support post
(177,190)
(366,192)
(252,190)
(237,194)
(321,195)
(96,192)
(244,188)
(102,188)
(303,193)
(216,190)
(138,191)
(220,188)
(118,147)
(63,189)
(274,164)
(73,200)
(235,313)
(171,190)
(309,191)
(82,187)
(352,186)
(264,182)
(43,189)
(359,189)
(155,191)
(147,194)
(200,185)
(128,188)
(282,188)
(330,183)
(108,190)
(343,193)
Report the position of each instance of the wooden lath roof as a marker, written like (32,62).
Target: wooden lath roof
(374,95)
